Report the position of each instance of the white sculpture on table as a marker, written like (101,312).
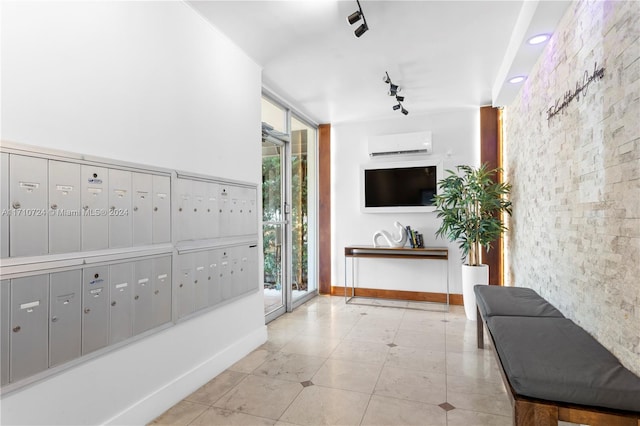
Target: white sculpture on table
(390,240)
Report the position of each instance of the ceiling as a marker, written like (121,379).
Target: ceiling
(443,54)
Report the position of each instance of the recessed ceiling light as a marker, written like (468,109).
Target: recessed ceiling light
(540,38)
(518,79)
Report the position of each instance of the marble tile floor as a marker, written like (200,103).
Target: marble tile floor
(331,363)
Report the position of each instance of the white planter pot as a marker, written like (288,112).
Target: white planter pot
(472,275)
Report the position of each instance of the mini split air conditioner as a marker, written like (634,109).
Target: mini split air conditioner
(400,144)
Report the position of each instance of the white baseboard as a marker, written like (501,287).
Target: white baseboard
(154,404)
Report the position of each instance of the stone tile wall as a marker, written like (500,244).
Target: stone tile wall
(575,232)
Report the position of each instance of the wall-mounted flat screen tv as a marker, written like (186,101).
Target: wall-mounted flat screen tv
(400,187)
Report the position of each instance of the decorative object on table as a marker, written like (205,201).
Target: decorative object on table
(415,238)
(470,205)
(391,241)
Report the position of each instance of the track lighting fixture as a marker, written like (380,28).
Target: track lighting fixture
(393,91)
(355,17)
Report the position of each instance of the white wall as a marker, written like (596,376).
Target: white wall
(152,83)
(456,140)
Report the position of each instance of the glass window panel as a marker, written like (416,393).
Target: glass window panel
(274,115)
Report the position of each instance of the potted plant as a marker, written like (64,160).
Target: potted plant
(470,204)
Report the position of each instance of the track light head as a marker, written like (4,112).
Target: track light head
(393,89)
(404,111)
(354,17)
(361,30)
(399,98)
(397,107)
(386,78)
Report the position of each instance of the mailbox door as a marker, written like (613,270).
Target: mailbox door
(65,316)
(185,209)
(161,209)
(212,220)
(94,185)
(121,292)
(142,296)
(5,325)
(142,209)
(64,207)
(161,290)
(225,274)
(120,222)
(199,209)
(184,290)
(224,207)
(200,282)
(28,335)
(95,308)
(213,278)
(5,205)
(28,193)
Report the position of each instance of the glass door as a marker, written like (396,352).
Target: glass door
(303,211)
(274,228)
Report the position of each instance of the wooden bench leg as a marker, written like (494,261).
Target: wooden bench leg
(480,329)
(531,414)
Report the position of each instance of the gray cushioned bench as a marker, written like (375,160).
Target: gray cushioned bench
(554,370)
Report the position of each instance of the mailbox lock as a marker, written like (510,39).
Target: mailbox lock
(208,210)
(96,275)
(220,210)
(85,207)
(240,210)
(195,281)
(156,292)
(135,209)
(180,209)
(95,175)
(54,319)
(16,204)
(209,279)
(87,310)
(181,285)
(54,206)
(16,329)
(137,297)
(113,303)
(113,208)
(155,209)
(195,210)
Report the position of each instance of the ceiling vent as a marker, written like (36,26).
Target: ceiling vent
(400,144)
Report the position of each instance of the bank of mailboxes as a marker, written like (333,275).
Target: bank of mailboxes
(52,206)
(51,319)
(209,277)
(211,210)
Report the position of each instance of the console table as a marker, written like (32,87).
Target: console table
(354,252)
